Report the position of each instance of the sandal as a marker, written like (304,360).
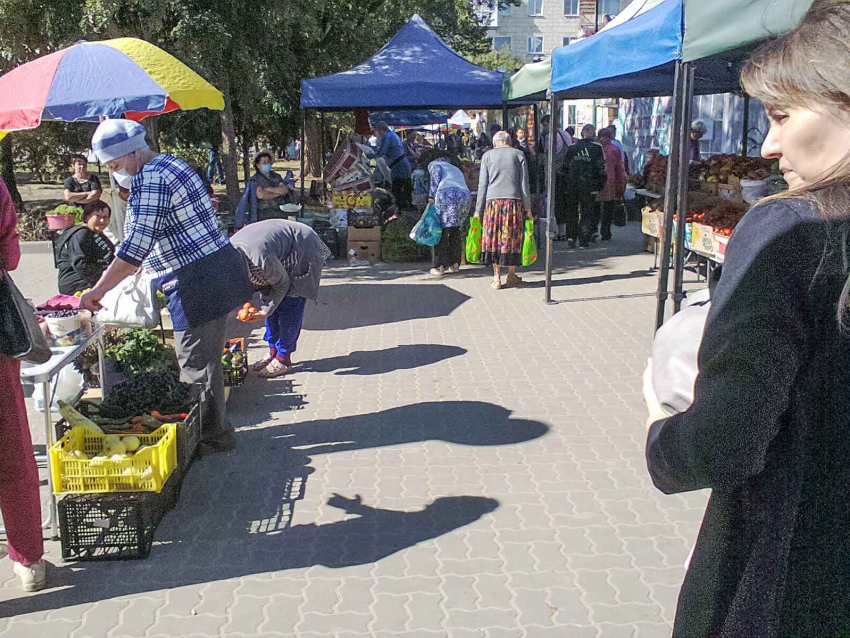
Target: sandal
(513,281)
(262,365)
(497,285)
(275,369)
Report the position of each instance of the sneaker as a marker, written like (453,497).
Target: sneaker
(34,577)
(438,272)
(455,268)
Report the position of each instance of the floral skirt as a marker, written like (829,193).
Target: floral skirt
(502,232)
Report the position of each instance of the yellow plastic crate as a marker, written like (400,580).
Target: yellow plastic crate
(145,471)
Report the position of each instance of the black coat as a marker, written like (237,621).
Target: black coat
(769,434)
(81,256)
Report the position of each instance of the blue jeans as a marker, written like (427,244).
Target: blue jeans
(283,327)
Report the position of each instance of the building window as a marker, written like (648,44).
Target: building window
(610,7)
(571,7)
(535,44)
(500,42)
(506,10)
(568,40)
(535,7)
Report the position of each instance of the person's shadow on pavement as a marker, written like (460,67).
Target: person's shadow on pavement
(370,362)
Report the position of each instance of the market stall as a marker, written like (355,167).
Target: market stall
(697,48)
(122,452)
(415,70)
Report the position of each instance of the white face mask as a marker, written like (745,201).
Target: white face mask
(123,178)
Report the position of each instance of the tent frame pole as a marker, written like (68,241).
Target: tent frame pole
(504,116)
(536,136)
(554,105)
(682,185)
(322,142)
(303,153)
(670,198)
(744,137)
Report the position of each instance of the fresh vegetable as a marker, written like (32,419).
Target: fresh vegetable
(75,419)
(156,390)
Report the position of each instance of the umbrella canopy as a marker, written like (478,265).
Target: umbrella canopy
(90,80)
(531,81)
(720,34)
(415,69)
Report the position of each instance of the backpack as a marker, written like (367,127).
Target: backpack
(586,169)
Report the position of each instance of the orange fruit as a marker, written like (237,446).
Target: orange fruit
(247,305)
(242,315)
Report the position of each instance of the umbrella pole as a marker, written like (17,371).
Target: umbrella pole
(550,193)
(303,152)
(682,186)
(670,198)
(744,140)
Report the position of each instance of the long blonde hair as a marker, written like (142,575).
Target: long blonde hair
(809,67)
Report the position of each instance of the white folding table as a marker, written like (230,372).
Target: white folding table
(44,374)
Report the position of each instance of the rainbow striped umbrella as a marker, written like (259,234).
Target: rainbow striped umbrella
(92,80)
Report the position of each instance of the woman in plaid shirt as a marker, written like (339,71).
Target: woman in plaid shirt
(171,230)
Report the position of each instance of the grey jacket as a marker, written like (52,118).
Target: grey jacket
(504,175)
(290,256)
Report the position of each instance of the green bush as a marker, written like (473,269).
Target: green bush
(397,246)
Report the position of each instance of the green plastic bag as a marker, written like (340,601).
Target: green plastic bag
(473,241)
(529,246)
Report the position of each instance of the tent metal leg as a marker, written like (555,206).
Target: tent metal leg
(554,105)
(745,136)
(504,117)
(303,153)
(682,185)
(670,200)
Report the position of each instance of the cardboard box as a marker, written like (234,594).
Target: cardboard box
(702,240)
(365,250)
(364,234)
(721,241)
(708,187)
(732,192)
(652,223)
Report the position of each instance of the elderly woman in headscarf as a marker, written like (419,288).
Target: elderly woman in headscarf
(285,261)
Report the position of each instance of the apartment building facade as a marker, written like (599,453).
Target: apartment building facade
(535,28)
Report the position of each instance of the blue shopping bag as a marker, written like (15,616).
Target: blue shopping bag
(429,229)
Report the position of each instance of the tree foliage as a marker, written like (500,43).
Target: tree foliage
(256,53)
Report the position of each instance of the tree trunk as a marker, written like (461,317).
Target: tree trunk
(313,146)
(246,161)
(228,147)
(7,160)
(152,127)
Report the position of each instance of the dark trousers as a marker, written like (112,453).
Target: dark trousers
(608,210)
(199,354)
(402,190)
(448,251)
(582,215)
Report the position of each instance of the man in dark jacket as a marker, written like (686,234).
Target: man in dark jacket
(580,177)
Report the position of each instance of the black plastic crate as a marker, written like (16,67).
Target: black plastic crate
(189,436)
(120,526)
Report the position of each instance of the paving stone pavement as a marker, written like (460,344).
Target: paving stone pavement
(449,461)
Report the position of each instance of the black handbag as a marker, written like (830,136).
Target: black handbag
(20,335)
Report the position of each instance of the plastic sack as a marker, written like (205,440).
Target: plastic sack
(429,229)
(132,303)
(473,241)
(529,246)
(66,387)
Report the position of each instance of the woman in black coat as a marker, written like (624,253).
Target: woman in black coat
(769,429)
(83,252)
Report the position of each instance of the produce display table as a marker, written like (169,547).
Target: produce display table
(44,374)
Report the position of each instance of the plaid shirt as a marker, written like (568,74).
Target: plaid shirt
(170,220)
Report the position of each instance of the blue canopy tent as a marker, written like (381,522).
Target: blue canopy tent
(409,118)
(415,69)
(670,47)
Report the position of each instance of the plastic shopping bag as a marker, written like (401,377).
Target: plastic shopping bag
(429,229)
(473,241)
(529,246)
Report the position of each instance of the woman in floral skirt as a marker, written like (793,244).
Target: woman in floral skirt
(504,202)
